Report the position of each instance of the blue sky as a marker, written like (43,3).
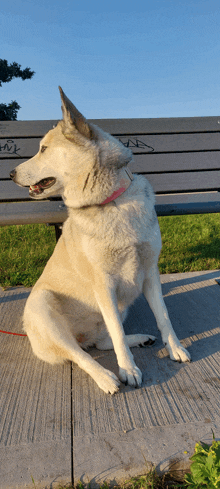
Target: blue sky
(113,59)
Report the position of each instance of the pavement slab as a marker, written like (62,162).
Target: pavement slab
(35,407)
(111,438)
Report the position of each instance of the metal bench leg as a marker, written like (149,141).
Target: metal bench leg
(58,228)
(58,231)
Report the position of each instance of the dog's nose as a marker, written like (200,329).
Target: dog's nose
(12,174)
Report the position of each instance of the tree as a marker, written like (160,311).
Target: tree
(7,73)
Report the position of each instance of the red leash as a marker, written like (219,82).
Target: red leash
(17,334)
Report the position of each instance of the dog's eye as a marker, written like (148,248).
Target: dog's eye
(43,148)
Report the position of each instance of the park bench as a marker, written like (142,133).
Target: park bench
(179,156)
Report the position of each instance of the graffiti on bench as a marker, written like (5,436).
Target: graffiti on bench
(135,143)
(9,148)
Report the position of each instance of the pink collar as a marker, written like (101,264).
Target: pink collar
(125,182)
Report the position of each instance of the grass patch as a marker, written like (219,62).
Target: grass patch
(148,481)
(25,251)
(190,243)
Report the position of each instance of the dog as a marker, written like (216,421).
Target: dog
(105,258)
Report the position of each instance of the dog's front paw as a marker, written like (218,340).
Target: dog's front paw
(108,382)
(131,376)
(178,353)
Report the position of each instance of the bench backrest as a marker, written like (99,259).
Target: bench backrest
(177,155)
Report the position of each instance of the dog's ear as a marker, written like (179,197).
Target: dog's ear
(73,119)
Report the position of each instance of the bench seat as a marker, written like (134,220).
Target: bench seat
(179,156)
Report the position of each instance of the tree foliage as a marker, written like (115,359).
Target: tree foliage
(7,73)
(9,112)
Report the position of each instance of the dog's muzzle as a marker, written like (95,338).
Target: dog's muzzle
(39,187)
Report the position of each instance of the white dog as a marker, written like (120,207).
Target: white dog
(106,257)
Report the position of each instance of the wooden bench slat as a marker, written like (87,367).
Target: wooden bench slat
(54,212)
(117,126)
(10,191)
(162,182)
(188,198)
(20,148)
(152,163)
(159,125)
(184,182)
(7,165)
(179,204)
(175,162)
(32,212)
(196,203)
(184,209)
(171,143)
(11,129)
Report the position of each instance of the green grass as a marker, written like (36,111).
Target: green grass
(190,243)
(25,251)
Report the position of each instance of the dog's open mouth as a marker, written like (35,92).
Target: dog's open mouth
(39,187)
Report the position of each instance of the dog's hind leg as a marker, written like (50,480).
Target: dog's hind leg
(53,342)
(141,340)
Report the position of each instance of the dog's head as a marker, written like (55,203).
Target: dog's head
(72,158)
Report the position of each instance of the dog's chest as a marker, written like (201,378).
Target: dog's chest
(130,278)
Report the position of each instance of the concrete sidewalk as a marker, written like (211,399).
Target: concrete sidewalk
(56,424)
